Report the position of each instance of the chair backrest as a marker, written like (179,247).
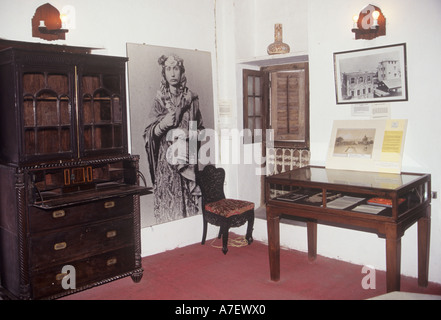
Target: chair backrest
(211,181)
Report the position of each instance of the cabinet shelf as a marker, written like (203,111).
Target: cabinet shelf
(106,99)
(42,127)
(48,99)
(101,123)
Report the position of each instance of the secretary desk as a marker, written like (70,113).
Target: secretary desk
(69,192)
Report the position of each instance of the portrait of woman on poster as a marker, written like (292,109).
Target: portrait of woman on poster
(173,118)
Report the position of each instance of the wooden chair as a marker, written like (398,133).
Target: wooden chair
(220,211)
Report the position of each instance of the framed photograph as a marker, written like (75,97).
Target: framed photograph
(371,75)
(367,145)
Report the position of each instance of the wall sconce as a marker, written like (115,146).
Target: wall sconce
(369,23)
(47,23)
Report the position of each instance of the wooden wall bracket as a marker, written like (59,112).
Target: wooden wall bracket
(366,28)
(46,23)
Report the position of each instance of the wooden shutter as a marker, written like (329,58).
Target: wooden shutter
(290,106)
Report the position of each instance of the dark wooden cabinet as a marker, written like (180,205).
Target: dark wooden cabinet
(58,105)
(69,189)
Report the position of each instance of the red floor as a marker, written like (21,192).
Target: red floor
(199,272)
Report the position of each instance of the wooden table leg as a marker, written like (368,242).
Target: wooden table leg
(273,225)
(312,239)
(393,263)
(423,249)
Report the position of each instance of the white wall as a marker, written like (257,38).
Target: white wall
(110,24)
(414,23)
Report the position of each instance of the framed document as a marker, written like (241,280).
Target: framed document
(367,145)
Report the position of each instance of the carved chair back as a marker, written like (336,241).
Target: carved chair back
(211,181)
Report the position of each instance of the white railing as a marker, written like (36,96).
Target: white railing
(284,159)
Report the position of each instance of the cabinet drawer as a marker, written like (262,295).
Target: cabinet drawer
(42,220)
(80,242)
(87,271)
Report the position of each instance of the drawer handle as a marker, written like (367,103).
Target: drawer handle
(60,246)
(111,261)
(58,214)
(109,204)
(111,234)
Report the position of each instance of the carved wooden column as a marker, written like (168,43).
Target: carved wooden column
(138,273)
(20,192)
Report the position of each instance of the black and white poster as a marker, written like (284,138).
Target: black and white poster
(171,109)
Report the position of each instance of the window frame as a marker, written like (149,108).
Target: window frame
(266,105)
(246,73)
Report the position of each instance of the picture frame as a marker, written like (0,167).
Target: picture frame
(367,145)
(371,75)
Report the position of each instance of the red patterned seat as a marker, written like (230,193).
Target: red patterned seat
(220,211)
(229,207)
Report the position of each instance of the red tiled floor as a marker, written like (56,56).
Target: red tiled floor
(199,272)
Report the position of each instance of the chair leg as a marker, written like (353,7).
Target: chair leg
(225,240)
(249,235)
(204,231)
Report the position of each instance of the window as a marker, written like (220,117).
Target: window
(253,111)
(277,97)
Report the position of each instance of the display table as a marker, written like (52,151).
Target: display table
(382,203)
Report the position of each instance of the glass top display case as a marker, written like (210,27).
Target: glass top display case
(382,194)
(382,203)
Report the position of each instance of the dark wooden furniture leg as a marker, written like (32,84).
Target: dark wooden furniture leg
(273,225)
(204,231)
(423,248)
(312,239)
(393,260)
(224,230)
(250,226)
